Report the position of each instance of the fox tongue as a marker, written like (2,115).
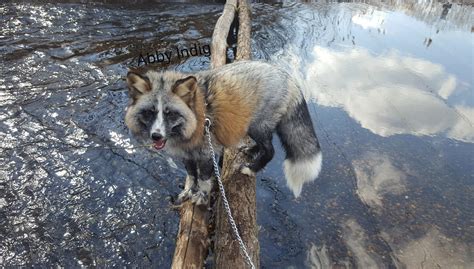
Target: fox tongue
(159,144)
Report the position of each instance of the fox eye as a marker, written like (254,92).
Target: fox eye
(147,115)
(172,114)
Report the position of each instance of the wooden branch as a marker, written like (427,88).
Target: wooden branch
(241,193)
(193,237)
(240,188)
(219,36)
(244,51)
(192,242)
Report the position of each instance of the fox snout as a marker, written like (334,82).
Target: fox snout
(158,140)
(155,136)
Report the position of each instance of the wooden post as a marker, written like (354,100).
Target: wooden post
(244,51)
(240,188)
(193,237)
(219,36)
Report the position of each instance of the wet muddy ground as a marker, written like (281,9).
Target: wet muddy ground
(392,100)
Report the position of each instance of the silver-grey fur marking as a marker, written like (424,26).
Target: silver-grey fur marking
(277,106)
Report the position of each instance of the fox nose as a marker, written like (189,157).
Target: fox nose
(156,136)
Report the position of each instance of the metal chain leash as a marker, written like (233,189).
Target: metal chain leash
(224,198)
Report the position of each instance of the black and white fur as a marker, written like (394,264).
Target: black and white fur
(269,97)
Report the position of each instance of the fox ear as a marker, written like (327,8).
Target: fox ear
(137,85)
(186,88)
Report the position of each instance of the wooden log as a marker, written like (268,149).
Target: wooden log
(244,51)
(193,237)
(241,193)
(219,36)
(240,188)
(192,242)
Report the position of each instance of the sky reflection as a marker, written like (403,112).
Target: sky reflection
(390,94)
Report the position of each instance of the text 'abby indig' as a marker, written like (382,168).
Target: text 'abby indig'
(177,52)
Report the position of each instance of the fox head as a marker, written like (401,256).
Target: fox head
(163,108)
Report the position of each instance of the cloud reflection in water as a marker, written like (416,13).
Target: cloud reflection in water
(390,94)
(376,176)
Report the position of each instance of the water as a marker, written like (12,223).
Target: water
(391,96)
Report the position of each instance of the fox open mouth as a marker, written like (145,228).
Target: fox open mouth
(159,144)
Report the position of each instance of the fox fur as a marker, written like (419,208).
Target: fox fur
(169,110)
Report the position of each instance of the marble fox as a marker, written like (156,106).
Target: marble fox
(168,110)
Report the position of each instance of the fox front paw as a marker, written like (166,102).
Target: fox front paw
(197,196)
(200,198)
(185,195)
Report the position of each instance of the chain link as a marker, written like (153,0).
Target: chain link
(244,253)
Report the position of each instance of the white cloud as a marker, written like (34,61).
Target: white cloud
(389,94)
(433,250)
(376,177)
(462,129)
(318,257)
(357,241)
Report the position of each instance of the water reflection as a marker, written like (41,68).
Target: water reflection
(450,15)
(72,193)
(432,250)
(367,66)
(394,192)
(374,20)
(391,94)
(377,176)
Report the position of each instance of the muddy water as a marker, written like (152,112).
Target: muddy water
(391,98)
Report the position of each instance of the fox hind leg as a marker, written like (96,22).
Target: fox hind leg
(262,152)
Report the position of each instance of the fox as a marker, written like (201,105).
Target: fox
(168,110)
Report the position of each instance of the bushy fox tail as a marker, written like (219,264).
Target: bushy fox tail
(303,153)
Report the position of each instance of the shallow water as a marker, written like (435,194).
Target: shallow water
(391,98)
